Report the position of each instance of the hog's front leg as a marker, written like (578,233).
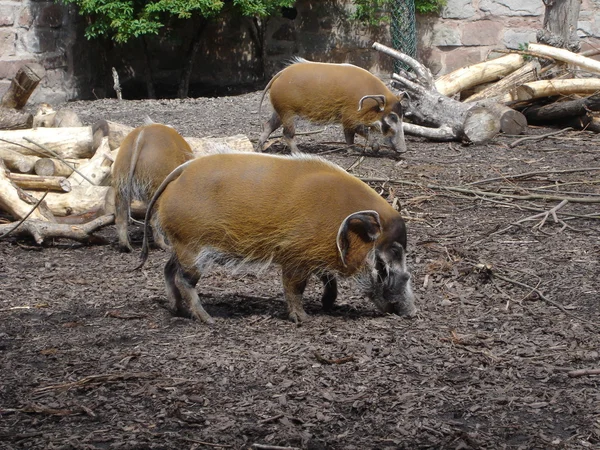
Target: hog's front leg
(294,283)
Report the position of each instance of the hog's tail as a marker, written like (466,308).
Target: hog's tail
(172,176)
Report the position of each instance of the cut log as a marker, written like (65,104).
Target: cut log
(80,200)
(205,146)
(480,123)
(37,183)
(17,202)
(551,88)
(524,74)
(16,161)
(13,119)
(467,77)
(540,114)
(116,132)
(512,121)
(566,56)
(22,85)
(42,230)
(73,142)
(56,167)
(96,171)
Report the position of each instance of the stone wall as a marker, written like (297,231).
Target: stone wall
(466,31)
(41,31)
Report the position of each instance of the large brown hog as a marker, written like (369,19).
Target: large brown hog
(333,93)
(146,156)
(303,213)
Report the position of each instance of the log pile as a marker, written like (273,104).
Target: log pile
(542,85)
(57,181)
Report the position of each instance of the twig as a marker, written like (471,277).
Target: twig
(464,190)
(103,378)
(323,360)
(545,215)
(530,174)
(271,419)
(272,447)
(541,296)
(583,372)
(535,138)
(26,216)
(56,155)
(208,444)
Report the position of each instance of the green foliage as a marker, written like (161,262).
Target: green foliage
(429,6)
(122,20)
(370,12)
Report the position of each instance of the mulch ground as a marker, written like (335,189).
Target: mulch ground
(509,306)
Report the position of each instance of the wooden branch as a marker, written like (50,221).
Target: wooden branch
(22,85)
(422,73)
(16,161)
(566,56)
(525,74)
(443,133)
(38,183)
(20,222)
(96,171)
(80,200)
(520,176)
(73,142)
(13,119)
(467,77)
(536,138)
(19,203)
(43,230)
(550,88)
(542,114)
(583,372)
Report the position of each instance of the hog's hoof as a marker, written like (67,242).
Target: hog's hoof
(125,248)
(298,317)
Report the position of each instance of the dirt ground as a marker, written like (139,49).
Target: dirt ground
(90,357)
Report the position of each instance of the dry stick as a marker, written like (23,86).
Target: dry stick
(583,372)
(545,215)
(208,444)
(535,138)
(24,218)
(97,379)
(543,297)
(485,193)
(56,155)
(272,447)
(531,174)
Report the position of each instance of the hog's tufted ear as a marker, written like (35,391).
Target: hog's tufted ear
(364,224)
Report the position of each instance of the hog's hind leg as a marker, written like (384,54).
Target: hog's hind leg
(329,291)
(273,123)
(122,221)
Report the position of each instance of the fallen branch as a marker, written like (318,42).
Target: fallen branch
(538,293)
(583,372)
(272,447)
(545,215)
(20,222)
(41,230)
(535,138)
(530,174)
(95,379)
(323,360)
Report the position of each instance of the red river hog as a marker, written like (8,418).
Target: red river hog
(301,212)
(333,93)
(146,156)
